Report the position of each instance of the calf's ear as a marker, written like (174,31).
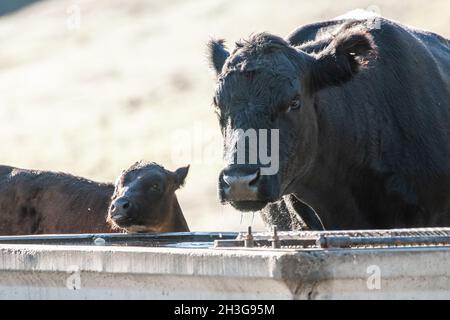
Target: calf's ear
(217,54)
(181,174)
(340,60)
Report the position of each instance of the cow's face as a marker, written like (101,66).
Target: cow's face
(265,102)
(143,197)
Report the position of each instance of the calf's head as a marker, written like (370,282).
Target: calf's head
(144,198)
(266,104)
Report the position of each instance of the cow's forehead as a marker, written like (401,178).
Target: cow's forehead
(254,61)
(146,173)
(261,82)
(244,61)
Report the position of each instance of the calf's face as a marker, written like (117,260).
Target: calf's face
(266,103)
(144,197)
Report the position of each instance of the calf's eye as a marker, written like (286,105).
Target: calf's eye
(154,187)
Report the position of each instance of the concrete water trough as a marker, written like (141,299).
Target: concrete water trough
(286,265)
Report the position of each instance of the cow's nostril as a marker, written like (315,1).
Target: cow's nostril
(255,178)
(226,181)
(121,206)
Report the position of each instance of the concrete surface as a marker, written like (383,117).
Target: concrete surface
(47,272)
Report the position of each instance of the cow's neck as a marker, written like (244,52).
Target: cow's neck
(176,222)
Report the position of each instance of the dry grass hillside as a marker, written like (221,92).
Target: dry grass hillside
(132,83)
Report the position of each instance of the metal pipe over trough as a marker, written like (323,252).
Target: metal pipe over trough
(278,265)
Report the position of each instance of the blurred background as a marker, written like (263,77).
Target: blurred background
(91,86)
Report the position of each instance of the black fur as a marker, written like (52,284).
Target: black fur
(370,145)
(217,54)
(340,60)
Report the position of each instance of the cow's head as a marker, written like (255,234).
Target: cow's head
(266,89)
(144,195)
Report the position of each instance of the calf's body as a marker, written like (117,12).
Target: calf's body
(43,202)
(39,202)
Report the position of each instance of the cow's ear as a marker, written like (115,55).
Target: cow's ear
(217,54)
(181,174)
(340,60)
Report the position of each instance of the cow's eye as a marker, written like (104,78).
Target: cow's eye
(295,104)
(154,187)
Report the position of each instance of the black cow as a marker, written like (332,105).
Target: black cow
(363,113)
